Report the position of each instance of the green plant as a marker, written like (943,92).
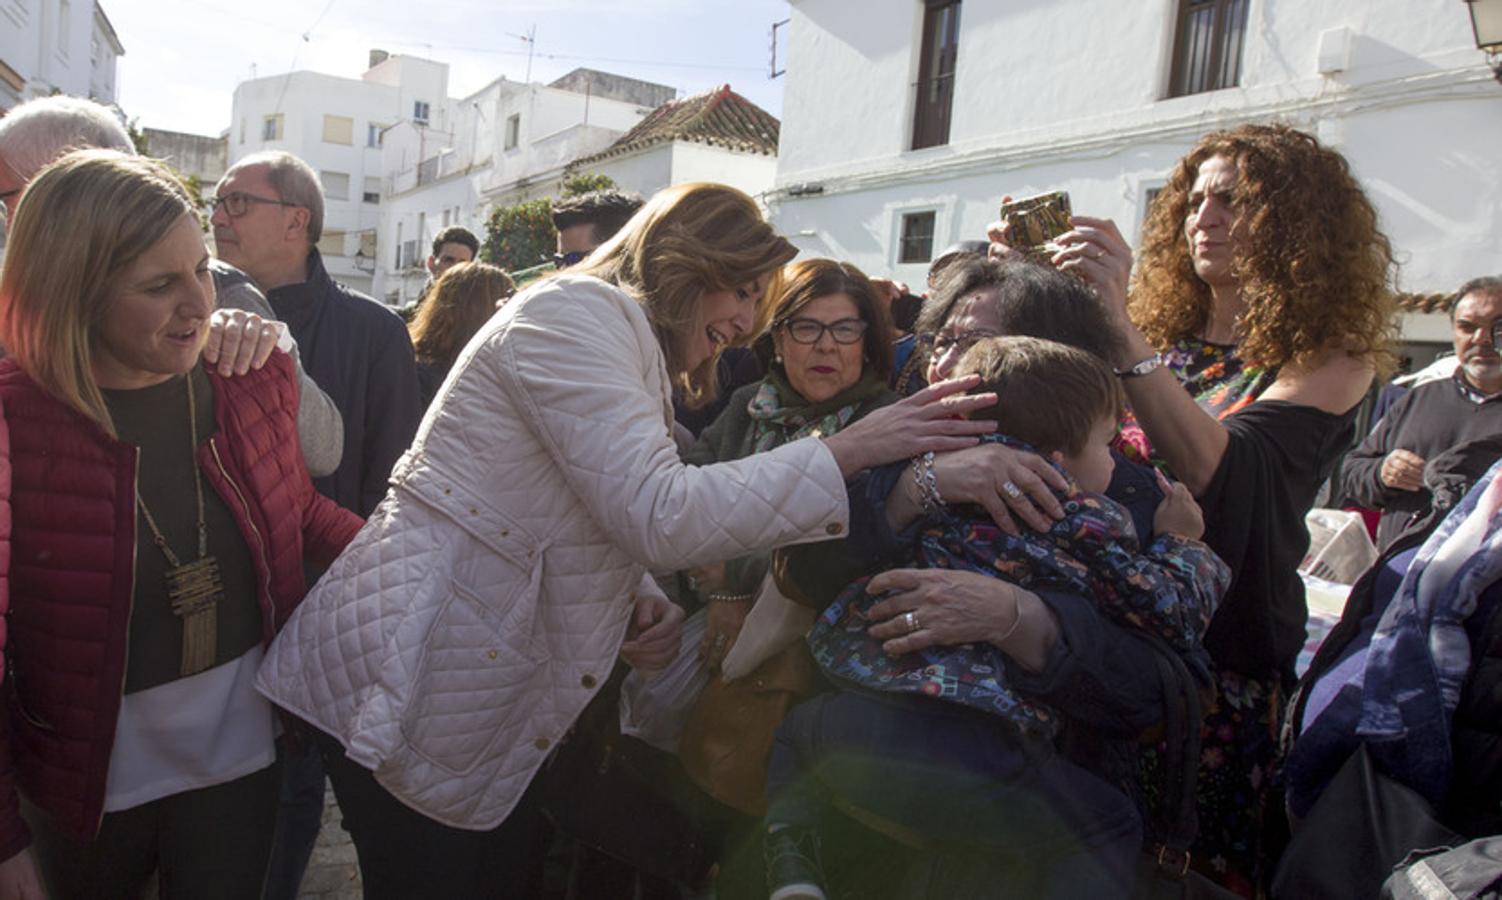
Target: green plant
(584,182)
(520,236)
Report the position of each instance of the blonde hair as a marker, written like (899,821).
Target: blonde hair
(459,304)
(686,240)
(81,222)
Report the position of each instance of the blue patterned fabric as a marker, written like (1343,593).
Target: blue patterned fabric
(1420,654)
(1170,589)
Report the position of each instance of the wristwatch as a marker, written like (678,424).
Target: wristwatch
(1145,367)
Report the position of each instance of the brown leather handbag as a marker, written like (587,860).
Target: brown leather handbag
(728,738)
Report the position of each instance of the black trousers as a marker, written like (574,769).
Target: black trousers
(405,855)
(212,842)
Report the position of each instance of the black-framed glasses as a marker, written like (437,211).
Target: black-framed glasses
(809,331)
(237,203)
(942,344)
(571,258)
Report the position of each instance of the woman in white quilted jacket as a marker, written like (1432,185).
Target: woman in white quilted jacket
(454,643)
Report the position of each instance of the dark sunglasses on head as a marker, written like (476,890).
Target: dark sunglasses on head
(571,258)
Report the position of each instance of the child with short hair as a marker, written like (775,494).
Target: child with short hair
(1063,403)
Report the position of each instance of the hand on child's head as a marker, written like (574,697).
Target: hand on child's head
(1178,514)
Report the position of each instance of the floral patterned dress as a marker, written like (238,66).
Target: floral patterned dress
(1240,729)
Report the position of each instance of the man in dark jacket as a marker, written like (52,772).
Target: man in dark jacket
(1387,471)
(268,218)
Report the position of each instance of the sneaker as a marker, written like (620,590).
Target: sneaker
(793,870)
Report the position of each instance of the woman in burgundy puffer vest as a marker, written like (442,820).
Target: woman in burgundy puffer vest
(152,545)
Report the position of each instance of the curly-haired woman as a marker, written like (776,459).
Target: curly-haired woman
(1258,315)
(462,300)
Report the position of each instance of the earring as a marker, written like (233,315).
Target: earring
(777,359)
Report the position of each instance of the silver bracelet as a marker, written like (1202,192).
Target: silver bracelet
(928,485)
(1145,367)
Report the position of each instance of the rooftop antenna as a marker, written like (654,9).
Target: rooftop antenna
(776,71)
(531,38)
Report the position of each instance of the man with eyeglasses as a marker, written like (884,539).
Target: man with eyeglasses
(267,220)
(242,332)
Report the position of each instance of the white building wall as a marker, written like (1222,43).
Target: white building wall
(303,100)
(750,172)
(456,175)
(1069,95)
(45,48)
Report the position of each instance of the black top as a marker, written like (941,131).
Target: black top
(1278,456)
(1428,420)
(359,352)
(155,419)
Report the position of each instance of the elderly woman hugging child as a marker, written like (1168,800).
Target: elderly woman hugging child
(882,747)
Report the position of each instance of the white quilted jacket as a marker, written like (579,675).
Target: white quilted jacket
(463,630)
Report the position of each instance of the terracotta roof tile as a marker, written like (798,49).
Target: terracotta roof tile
(719,117)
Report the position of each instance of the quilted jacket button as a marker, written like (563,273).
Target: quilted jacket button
(541,743)
(588,681)
(833,528)
(492,654)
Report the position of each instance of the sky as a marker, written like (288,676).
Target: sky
(183,58)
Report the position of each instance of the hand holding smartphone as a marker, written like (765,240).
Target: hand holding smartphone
(1034,222)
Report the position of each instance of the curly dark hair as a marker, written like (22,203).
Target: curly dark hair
(1316,274)
(460,302)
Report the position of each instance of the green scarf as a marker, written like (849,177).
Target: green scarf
(780,415)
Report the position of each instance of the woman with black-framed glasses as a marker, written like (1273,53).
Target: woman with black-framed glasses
(831,355)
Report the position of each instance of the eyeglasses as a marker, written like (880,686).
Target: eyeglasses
(809,331)
(571,258)
(941,345)
(237,204)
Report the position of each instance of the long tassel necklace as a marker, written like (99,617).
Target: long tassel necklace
(194,589)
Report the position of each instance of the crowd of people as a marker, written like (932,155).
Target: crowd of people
(689,568)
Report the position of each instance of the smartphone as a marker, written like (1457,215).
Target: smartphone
(1034,223)
(905,310)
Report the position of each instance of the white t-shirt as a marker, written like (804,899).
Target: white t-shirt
(195,732)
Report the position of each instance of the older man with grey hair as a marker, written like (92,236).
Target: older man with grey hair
(242,333)
(268,219)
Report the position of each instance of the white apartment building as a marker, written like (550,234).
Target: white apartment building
(56,46)
(903,126)
(336,125)
(506,143)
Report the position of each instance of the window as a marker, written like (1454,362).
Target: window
(936,59)
(335,185)
(62,28)
(445,218)
(368,243)
(338,130)
(917,238)
(1207,46)
(332,243)
(513,131)
(242,129)
(420,111)
(373,134)
(271,128)
(371,192)
(94,51)
(398,245)
(408,256)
